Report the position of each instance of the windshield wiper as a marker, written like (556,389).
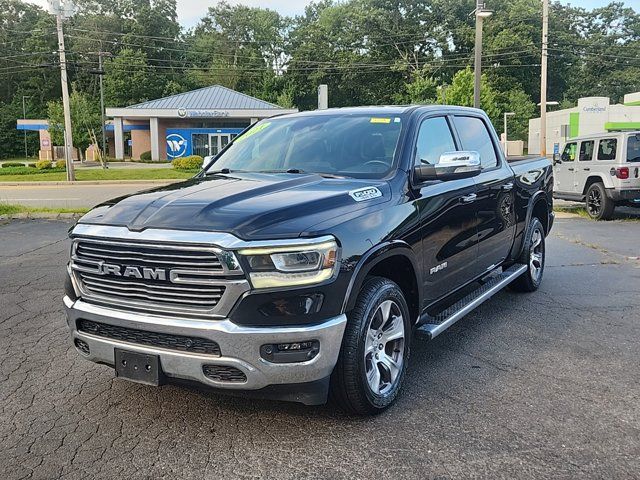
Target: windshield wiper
(299,171)
(223,171)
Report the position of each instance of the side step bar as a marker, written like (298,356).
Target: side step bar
(430,327)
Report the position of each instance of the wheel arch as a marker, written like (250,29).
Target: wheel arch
(594,178)
(396,261)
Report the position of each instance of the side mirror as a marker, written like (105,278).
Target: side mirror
(452,165)
(556,158)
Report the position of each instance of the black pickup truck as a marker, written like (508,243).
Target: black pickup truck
(304,258)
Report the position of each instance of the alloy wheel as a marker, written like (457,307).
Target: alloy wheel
(536,255)
(594,202)
(384,347)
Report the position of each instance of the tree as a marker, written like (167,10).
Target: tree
(460,92)
(85,116)
(129,80)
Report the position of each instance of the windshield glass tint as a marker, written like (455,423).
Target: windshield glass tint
(346,145)
(633,148)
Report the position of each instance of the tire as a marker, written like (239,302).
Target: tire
(533,255)
(599,206)
(380,312)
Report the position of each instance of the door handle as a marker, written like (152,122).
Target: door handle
(586,169)
(507,186)
(570,169)
(469,198)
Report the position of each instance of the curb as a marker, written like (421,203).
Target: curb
(41,216)
(92,182)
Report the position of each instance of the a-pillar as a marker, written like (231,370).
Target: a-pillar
(118,136)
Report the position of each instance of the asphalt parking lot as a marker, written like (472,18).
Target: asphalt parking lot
(528,386)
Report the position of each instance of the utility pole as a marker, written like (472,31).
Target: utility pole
(480,13)
(543,79)
(68,143)
(24,116)
(100,73)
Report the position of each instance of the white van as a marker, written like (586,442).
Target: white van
(602,170)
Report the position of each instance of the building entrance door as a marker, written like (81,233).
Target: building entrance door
(217,141)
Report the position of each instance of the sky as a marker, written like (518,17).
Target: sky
(191,11)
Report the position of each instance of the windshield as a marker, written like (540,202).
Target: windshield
(633,148)
(361,146)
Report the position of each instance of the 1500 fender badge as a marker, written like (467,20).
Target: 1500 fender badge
(366,193)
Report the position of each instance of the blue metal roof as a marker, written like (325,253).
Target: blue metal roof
(213,97)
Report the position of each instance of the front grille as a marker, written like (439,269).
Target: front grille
(224,373)
(165,278)
(150,339)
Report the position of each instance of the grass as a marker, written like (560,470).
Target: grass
(9,209)
(17,174)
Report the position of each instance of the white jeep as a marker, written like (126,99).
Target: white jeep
(602,170)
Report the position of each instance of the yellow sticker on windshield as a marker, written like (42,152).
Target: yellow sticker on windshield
(380,120)
(253,131)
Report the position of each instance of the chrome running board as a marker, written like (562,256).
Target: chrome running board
(430,327)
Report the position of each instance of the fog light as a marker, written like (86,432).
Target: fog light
(292,352)
(82,346)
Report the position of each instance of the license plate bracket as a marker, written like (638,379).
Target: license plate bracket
(138,367)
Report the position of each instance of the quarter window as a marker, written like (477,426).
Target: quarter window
(475,137)
(633,148)
(586,151)
(569,152)
(607,149)
(434,139)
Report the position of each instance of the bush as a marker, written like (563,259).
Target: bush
(12,164)
(145,155)
(32,165)
(61,164)
(43,164)
(193,162)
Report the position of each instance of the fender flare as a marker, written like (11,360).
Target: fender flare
(532,203)
(603,178)
(373,257)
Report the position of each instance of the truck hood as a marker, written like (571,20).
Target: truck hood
(249,205)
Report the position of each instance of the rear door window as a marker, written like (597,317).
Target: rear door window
(586,151)
(475,137)
(607,149)
(633,148)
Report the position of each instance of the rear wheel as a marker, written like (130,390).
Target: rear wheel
(533,256)
(375,350)
(599,206)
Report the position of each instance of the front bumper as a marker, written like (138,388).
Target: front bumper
(239,346)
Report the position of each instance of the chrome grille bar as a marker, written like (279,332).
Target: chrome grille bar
(160,277)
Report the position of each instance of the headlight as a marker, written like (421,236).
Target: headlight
(296,265)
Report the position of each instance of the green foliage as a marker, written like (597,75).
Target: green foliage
(61,164)
(12,164)
(145,156)
(460,92)
(43,164)
(85,115)
(192,162)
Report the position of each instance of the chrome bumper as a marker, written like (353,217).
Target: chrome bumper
(240,346)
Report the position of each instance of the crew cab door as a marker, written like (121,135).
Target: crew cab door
(495,189)
(564,170)
(447,215)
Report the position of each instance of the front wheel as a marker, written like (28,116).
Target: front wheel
(533,256)
(375,350)
(599,206)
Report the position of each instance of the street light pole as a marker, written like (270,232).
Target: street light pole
(24,116)
(481,13)
(543,79)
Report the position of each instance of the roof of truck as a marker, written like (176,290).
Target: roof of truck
(602,135)
(382,110)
